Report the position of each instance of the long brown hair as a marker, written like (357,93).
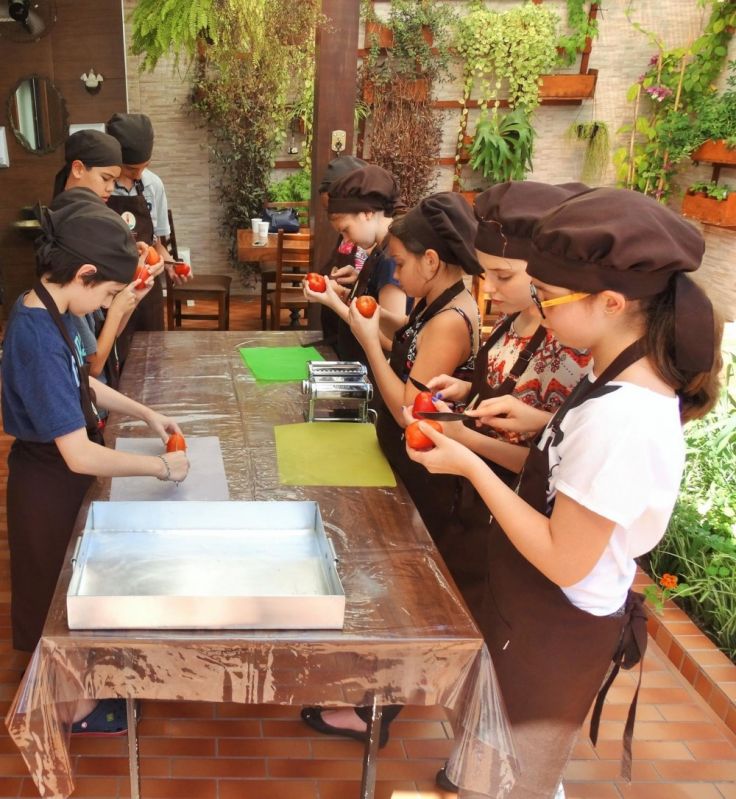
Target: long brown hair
(697,391)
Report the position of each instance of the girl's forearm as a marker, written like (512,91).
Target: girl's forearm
(510,456)
(112,400)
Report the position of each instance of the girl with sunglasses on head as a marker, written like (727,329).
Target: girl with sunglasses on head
(609,269)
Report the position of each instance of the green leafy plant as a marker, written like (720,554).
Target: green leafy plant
(699,547)
(580,27)
(597,149)
(296,187)
(503,146)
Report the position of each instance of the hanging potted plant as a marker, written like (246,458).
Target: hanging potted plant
(597,149)
(711,204)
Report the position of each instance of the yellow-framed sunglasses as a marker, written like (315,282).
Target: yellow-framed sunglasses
(542,304)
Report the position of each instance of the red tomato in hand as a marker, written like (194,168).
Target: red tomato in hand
(416,439)
(316,282)
(152,256)
(366,305)
(423,404)
(182,270)
(141,276)
(176,443)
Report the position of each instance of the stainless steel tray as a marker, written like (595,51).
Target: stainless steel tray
(205,565)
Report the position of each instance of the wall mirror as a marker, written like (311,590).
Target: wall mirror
(37,114)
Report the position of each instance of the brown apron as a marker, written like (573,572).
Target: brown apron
(432,494)
(550,656)
(39,531)
(471,517)
(348,347)
(149,314)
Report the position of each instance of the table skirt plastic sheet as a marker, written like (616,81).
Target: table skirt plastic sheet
(407,638)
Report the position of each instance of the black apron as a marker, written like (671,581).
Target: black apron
(43,498)
(432,494)
(471,517)
(348,348)
(149,314)
(550,656)
(111,368)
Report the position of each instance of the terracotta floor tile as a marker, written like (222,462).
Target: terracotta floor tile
(315,769)
(605,770)
(418,729)
(102,766)
(286,729)
(591,790)
(218,767)
(670,790)
(702,770)
(384,790)
(10,786)
(682,712)
(435,750)
(179,789)
(335,748)
(727,789)
(177,710)
(263,747)
(200,728)
(99,746)
(645,750)
(712,750)
(235,710)
(407,770)
(267,789)
(12,765)
(177,747)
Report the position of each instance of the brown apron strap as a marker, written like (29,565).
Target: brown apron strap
(522,362)
(630,651)
(86,395)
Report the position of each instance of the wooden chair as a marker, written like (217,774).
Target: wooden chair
(293,261)
(268,273)
(200,287)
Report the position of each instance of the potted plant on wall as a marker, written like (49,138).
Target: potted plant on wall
(502,147)
(597,148)
(711,204)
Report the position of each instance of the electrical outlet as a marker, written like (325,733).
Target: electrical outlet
(190,303)
(338,140)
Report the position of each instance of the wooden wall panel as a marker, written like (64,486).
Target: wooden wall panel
(87,34)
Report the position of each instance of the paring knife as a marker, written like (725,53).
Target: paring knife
(449,416)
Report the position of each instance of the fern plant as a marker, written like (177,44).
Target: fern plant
(503,146)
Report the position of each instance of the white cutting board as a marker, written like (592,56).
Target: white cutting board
(206,479)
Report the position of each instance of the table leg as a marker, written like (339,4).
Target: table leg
(135,783)
(370,753)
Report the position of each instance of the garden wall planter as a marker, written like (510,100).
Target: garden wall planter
(413,91)
(709,211)
(572,86)
(385,35)
(714,151)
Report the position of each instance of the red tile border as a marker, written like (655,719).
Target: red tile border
(697,659)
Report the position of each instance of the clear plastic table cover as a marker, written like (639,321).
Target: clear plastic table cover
(407,638)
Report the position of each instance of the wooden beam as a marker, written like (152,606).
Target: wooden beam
(334,103)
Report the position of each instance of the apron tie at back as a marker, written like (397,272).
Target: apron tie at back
(630,651)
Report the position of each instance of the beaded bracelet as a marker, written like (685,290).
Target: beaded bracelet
(168,470)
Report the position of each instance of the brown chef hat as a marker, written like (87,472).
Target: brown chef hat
(624,241)
(444,222)
(507,213)
(370,188)
(135,134)
(337,168)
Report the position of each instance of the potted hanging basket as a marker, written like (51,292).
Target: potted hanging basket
(576,86)
(711,211)
(715,151)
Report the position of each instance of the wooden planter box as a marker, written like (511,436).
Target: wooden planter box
(709,211)
(412,91)
(574,86)
(714,151)
(386,37)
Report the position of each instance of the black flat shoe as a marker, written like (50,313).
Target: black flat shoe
(312,716)
(443,782)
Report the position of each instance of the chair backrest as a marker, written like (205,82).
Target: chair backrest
(294,255)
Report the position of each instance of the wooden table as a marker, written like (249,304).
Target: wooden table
(407,638)
(263,254)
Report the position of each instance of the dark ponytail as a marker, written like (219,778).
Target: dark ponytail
(697,391)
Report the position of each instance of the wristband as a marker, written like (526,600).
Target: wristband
(167,478)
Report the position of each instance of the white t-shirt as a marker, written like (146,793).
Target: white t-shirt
(621,455)
(155,194)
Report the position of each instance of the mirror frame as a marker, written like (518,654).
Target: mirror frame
(24,143)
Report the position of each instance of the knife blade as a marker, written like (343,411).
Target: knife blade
(442,416)
(419,385)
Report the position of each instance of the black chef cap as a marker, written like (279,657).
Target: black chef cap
(92,148)
(78,228)
(507,213)
(337,168)
(443,222)
(370,188)
(135,134)
(625,241)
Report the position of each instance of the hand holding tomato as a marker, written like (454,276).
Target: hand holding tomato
(316,282)
(314,292)
(366,305)
(365,329)
(423,404)
(141,277)
(152,256)
(416,437)
(446,456)
(176,443)
(182,269)
(450,388)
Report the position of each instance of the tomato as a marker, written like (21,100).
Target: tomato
(366,305)
(182,270)
(423,404)
(316,282)
(176,443)
(152,256)
(141,276)
(416,439)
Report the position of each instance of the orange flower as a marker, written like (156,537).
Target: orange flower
(668,581)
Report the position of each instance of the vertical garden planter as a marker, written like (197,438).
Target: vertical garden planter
(714,151)
(385,36)
(712,212)
(568,86)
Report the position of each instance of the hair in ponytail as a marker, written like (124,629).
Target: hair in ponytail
(697,391)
